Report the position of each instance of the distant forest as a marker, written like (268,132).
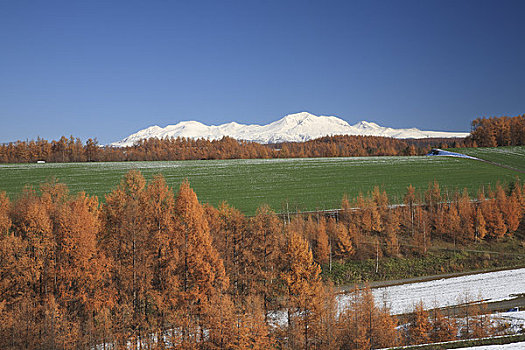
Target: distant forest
(486,132)
(73,150)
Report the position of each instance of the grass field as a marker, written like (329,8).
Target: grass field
(305,184)
(513,156)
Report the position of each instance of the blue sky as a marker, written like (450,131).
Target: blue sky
(106,69)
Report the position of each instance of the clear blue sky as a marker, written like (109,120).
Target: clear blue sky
(106,69)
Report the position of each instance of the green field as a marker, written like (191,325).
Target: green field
(305,184)
(512,156)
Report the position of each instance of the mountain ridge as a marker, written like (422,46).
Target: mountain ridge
(296,127)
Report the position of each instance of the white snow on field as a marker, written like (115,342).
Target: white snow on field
(491,286)
(513,346)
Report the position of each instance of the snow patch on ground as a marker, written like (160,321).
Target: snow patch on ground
(491,286)
(440,152)
(513,346)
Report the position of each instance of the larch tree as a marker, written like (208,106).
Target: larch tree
(499,227)
(327,337)
(126,241)
(321,243)
(380,199)
(163,237)
(309,227)
(433,200)
(453,224)
(507,208)
(419,327)
(512,212)
(384,333)
(242,327)
(480,226)
(266,242)
(302,278)
(480,324)
(201,270)
(345,214)
(342,246)
(486,205)
(357,320)
(231,245)
(5,219)
(409,209)
(421,237)
(81,268)
(19,320)
(443,328)
(391,230)
(466,214)
(32,222)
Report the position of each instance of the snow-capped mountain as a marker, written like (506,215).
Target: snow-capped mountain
(297,127)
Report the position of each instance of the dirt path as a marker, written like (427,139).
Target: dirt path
(501,165)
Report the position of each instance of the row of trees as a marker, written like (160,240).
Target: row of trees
(155,269)
(498,131)
(73,150)
(370,226)
(64,150)
(486,132)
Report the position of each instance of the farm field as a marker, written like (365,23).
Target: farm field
(305,184)
(513,156)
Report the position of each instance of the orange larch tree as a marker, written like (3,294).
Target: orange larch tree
(419,327)
(81,269)
(160,224)
(127,242)
(466,214)
(231,245)
(443,328)
(202,274)
(321,243)
(302,278)
(265,243)
(391,230)
(5,209)
(410,201)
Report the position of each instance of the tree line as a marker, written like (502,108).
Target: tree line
(73,150)
(149,268)
(486,132)
(498,131)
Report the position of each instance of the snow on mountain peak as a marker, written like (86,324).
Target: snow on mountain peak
(298,116)
(297,127)
(366,125)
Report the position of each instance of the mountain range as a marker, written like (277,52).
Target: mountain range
(298,127)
